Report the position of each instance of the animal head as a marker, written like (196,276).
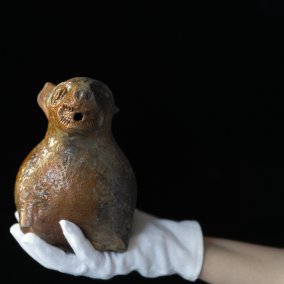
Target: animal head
(77,105)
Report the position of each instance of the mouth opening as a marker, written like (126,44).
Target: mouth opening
(78,116)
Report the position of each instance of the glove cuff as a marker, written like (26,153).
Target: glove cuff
(196,245)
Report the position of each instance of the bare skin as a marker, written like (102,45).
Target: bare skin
(234,262)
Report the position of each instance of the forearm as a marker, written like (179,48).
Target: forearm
(233,262)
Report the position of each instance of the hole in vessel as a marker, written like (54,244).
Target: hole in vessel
(78,116)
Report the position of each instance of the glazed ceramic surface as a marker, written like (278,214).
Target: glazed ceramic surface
(77,172)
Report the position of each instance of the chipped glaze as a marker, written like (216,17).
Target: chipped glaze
(77,172)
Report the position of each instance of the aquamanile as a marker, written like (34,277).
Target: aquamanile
(77,172)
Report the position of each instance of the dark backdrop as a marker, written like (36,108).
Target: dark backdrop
(199,89)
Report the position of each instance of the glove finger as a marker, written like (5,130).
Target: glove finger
(97,262)
(17,215)
(81,246)
(28,246)
(47,255)
(52,257)
(16,232)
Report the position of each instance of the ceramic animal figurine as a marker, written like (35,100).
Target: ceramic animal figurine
(77,172)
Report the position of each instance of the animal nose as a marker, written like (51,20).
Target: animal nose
(82,95)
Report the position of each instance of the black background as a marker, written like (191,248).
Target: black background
(199,88)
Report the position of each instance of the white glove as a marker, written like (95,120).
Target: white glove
(157,247)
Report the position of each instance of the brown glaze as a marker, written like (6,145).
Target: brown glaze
(77,172)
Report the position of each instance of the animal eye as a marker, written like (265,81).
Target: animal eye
(58,95)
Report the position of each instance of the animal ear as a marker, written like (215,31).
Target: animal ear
(116,110)
(41,98)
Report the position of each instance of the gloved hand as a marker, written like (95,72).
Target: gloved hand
(157,247)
